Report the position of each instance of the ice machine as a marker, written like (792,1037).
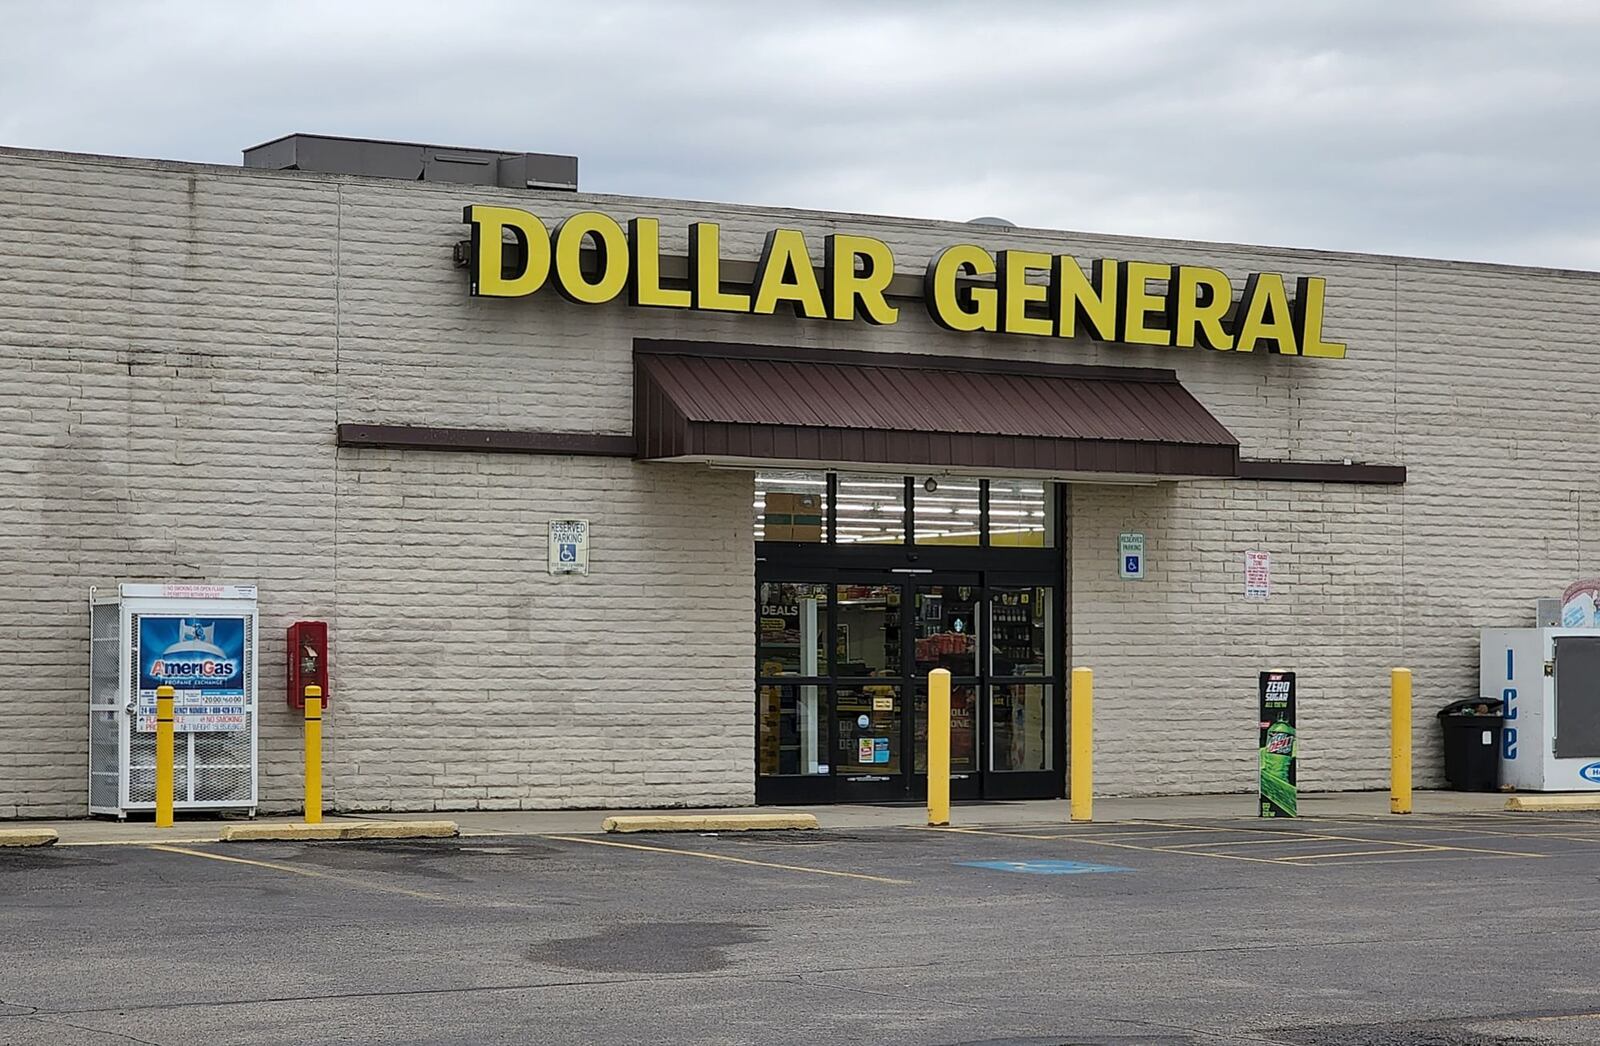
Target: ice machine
(1549,682)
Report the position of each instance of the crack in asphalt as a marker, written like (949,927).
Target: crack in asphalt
(55,1020)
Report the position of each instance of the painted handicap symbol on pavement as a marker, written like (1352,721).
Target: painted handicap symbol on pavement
(1045,867)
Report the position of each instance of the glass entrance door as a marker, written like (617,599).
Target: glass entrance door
(870,692)
(945,614)
(842,667)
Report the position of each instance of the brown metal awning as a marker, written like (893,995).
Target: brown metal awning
(740,404)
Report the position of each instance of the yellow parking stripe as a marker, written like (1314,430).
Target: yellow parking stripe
(1396,851)
(731,860)
(1103,842)
(306,872)
(1291,834)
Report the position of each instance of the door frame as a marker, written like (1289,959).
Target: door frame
(984,568)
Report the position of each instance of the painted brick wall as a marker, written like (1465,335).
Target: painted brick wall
(177,344)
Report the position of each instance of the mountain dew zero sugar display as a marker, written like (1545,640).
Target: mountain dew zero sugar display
(1278,745)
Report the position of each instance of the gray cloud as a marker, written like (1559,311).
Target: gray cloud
(1459,129)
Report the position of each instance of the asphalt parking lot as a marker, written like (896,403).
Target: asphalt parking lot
(1464,929)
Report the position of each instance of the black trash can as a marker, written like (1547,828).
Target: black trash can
(1472,744)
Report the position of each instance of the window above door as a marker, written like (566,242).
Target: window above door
(866,509)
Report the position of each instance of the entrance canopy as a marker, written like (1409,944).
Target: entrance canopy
(740,405)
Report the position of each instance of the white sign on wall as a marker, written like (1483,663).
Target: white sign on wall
(1257,575)
(1130,557)
(569,546)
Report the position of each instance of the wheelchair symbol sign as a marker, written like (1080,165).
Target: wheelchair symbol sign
(1130,556)
(569,546)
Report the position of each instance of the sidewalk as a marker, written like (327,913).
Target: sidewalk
(101,832)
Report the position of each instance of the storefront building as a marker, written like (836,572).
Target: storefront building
(818,454)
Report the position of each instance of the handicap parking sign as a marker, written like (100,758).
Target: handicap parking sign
(569,546)
(1130,556)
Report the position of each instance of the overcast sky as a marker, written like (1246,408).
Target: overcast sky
(1454,129)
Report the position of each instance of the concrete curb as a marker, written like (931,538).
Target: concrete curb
(28,837)
(252,833)
(709,823)
(1553,803)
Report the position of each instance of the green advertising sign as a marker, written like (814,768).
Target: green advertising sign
(1278,745)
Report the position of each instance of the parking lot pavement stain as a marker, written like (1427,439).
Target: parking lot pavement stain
(425,859)
(663,947)
(45,860)
(1403,1034)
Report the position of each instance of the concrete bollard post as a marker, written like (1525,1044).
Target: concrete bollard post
(164,755)
(1082,763)
(313,755)
(1400,741)
(938,747)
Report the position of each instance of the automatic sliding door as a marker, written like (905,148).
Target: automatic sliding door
(945,617)
(869,691)
(1022,693)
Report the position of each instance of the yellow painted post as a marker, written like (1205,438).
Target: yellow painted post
(1400,741)
(938,747)
(164,696)
(313,755)
(1082,765)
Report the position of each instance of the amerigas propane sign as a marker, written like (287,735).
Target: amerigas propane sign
(202,659)
(965,287)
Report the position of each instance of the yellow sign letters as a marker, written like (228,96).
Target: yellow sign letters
(592,260)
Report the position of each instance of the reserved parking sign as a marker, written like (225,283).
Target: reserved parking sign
(569,546)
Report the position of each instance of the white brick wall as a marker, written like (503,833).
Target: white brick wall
(178,343)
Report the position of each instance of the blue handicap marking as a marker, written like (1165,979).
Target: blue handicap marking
(1045,867)
(569,552)
(1132,564)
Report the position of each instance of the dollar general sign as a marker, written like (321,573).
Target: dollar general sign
(965,287)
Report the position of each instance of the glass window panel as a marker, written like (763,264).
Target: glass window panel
(791,625)
(1021,514)
(1020,629)
(949,514)
(794,730)
(946,620)
(872,509)
(867,724)
(963,729)
(867,639)
(1019,726)
(791,506)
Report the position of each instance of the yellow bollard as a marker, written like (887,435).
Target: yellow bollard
(313,755)
(164,696)
(1400,741)
(1082,764)
(938,748)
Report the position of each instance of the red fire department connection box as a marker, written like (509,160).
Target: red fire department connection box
(308,661)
